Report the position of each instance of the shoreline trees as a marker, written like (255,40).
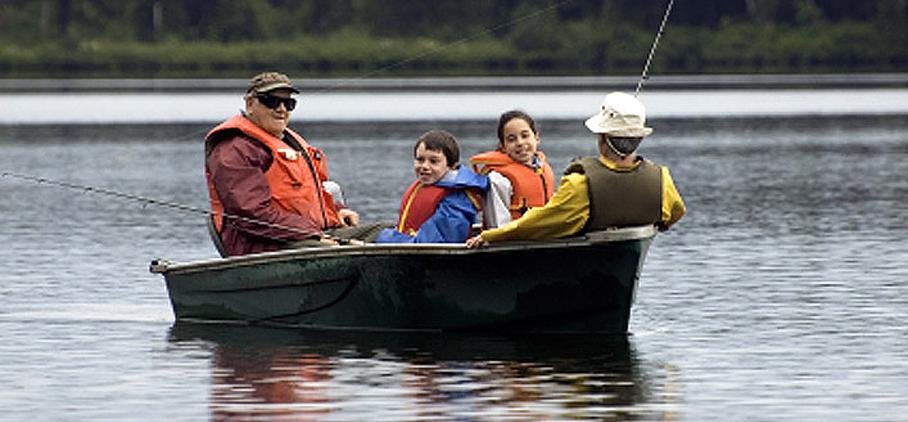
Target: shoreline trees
(372,38)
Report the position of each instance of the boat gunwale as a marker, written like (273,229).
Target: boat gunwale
(164,267)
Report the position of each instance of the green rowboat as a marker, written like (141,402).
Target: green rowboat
(580,284)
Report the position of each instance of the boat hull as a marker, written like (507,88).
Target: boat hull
(578,285)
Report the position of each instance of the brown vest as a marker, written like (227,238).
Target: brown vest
(621,198)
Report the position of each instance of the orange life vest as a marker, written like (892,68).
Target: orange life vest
(532,187)
(295,177)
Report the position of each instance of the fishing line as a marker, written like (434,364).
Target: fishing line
(182,207)
(443,47)
(513,22)
(146,201)
(652,51)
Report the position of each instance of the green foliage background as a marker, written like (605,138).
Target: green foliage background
(381,38)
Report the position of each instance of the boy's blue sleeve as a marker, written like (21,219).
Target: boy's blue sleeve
(450,223)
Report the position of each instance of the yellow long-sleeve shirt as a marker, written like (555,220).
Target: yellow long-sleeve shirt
(569,209)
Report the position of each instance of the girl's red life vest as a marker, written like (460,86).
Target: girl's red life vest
(531,188)
(295,177)
(417,205)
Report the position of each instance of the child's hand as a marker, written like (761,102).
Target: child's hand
(476,242)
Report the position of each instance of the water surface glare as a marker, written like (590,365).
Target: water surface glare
(87,108)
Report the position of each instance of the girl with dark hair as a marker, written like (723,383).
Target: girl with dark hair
(519,176)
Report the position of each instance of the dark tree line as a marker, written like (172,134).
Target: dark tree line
(239,20)
(578,36)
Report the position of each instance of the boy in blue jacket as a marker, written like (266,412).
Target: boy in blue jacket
(441,205)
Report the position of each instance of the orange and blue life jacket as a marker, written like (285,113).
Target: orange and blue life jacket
(442,212)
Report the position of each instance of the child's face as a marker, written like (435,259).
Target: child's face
(519,141)
(430,165)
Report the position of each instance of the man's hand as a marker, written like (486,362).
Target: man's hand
(327,241)
(348,217)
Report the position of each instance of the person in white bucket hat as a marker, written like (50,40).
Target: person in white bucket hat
(617,188)
(620,115)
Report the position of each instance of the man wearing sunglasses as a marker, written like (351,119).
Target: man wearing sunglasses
(266,183)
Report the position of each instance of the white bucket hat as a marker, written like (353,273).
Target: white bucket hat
(622,115)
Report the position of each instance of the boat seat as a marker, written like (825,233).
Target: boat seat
(216,237)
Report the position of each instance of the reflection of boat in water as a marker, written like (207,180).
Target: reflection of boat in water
(345,375)
(588,349)
(581,284)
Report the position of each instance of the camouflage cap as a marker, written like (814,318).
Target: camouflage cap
(269,81)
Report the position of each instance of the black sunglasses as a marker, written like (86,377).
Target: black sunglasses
(271,101)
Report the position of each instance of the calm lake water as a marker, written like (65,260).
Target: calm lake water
(781,295)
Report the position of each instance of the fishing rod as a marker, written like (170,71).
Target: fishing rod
(652,51)
(146,201)
(182,207)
